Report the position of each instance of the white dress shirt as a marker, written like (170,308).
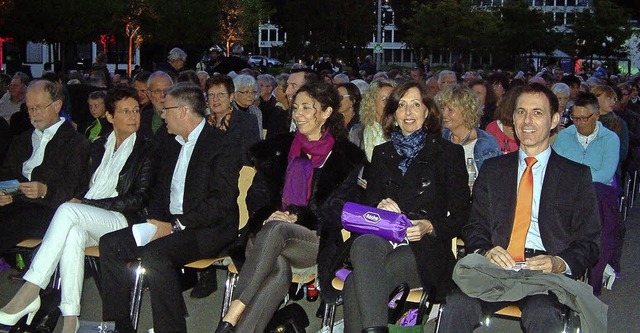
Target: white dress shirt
(176,197)
(39,141)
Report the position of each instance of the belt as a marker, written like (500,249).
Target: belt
(528,253)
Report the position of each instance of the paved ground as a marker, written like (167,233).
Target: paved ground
(624,313)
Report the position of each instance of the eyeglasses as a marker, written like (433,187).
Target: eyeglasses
(157,92)
(580,119)
(247,93)
(39,109)
(345,96)
(171,107)
(127,112)
(219,95)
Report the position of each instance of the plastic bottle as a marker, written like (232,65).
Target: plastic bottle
(312,292)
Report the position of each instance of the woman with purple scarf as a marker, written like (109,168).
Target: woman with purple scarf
(419,174)
(303,179)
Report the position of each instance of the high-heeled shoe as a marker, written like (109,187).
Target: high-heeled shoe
(11,319)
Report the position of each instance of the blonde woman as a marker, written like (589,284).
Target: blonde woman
(371,111)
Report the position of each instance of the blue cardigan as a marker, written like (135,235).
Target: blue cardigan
(601,155)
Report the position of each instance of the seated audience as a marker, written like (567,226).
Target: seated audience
(371,112)
(461,113)
(50,163)
(515,217)
(313,173)
(100,126)
(422,175)
(192,208)
(122,166)
(502,127)
(245,96)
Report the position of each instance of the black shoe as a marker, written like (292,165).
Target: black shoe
(225,327)
(206,285)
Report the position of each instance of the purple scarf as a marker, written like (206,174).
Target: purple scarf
(297,181)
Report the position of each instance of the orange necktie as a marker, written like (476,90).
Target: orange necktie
(522,218)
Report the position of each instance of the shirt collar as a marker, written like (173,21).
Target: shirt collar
(50,131)
(542,158)
(584,139)
(193,136)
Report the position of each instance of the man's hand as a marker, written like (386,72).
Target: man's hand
(33,190)
(500,257)
(546,263)
(390,205)
(419,229)
(5,199)
(164,228)
(282,216)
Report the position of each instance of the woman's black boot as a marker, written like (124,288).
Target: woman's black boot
(225,327)
(376,329)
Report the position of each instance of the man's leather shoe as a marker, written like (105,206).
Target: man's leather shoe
(225,327)
(206,285)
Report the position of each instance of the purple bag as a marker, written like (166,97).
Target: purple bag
(370,220)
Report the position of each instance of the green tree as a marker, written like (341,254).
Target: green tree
(240,20)
(602,30)
(523,31)
(340,28)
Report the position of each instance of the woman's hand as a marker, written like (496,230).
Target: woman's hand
(282,216)
(419,229)
(390,205)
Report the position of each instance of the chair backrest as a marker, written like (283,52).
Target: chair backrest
(244,182)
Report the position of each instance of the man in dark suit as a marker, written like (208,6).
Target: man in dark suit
(562,229)
(193,207)
(49,161)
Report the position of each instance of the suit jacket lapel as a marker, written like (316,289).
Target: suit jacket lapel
(549,189)
(509,190)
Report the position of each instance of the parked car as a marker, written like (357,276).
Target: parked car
(256,59)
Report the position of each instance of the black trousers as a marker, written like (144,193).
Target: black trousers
(540,313)
(160,259)
(22,220)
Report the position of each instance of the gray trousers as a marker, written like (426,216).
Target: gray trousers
(266,275)
(378,269)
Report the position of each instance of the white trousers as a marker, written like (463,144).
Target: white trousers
(73,227)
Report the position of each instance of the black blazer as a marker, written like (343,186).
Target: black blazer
(568,214)
(134,181)
(436,183)
(243,132)
(210,192)
(63,167)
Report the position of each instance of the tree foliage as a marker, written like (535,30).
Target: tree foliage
(240,19)
(602,30)
(341,28)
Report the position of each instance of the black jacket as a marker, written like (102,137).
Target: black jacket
(435,184)
(135,180)
(63,166)
(332,185)
(210,193)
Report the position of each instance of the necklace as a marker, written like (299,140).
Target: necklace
(464,140)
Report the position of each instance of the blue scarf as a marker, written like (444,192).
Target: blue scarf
(407,146)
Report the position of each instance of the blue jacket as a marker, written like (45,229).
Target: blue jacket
(486,146)
(601,155)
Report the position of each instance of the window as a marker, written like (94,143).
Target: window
(34,53)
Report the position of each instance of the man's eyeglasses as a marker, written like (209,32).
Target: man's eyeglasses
(39,108)
(580,119)
(171,107)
